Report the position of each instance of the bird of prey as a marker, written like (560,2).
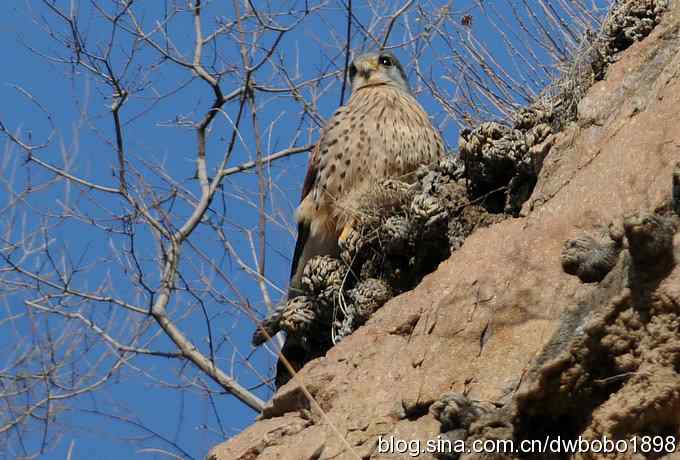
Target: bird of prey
(381,133)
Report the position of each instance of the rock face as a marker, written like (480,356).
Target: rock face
(499,342)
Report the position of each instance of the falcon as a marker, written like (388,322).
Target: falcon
(381,133)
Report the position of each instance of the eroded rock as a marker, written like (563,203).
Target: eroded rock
(591,257)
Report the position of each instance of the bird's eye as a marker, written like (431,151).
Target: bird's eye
(352,71)
(386,61)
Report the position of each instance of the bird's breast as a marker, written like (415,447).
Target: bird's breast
(381,133)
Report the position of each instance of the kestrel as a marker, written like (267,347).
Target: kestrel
(381,133)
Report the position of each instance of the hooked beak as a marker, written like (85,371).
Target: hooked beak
(365,68)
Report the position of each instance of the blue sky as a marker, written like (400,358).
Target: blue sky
(141,407)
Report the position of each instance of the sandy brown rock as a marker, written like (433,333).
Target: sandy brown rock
(477,325)
(612,372)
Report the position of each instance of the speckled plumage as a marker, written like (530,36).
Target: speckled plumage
(382,132)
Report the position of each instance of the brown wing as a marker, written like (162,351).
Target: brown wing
(328,145)
(312,172)
(303,227)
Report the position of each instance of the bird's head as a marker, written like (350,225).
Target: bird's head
(377,69)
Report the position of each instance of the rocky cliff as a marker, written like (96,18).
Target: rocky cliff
(501,341)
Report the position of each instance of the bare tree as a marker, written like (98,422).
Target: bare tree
(158,227)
